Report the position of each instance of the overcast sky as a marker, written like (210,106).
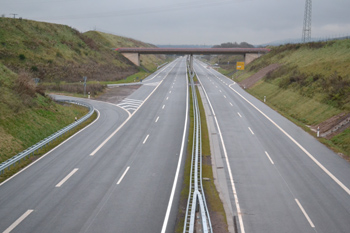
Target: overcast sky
(190,21)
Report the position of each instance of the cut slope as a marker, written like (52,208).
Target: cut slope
(150,62)
(311,86)
(57,52)
(26,117)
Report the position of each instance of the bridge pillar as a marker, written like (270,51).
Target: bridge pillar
(249,57)
(191,63)
(133,57)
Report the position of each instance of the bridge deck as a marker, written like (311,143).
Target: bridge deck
(193,50)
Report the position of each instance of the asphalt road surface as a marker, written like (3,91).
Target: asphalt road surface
(279,178)
(120,174)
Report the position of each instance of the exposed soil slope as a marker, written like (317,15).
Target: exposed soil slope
(249,82)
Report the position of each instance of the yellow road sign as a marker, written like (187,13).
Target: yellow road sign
(240,65)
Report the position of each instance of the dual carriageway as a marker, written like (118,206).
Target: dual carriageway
(124,172)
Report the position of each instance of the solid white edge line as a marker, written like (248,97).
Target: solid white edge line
(43,156)
(18,221)
(251,130)
(130,115)
(239,212)
(122,177)
(144,141)
(110,136)
(66,178)
(166,218)
(157,119)
(267,154)
(346,189)
(305,214)
(335,179)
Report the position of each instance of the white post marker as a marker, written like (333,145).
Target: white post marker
(318,131)
(264,99)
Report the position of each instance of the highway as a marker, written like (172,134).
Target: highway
(277,177)
(120,174)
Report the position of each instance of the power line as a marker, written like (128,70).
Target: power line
(306,35)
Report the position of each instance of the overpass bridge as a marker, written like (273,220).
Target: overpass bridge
(250,54)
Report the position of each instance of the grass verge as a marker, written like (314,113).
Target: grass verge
(216,209)
(215,206)
(26,161)
(187,171)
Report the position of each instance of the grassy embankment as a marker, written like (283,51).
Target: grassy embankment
(212,197)
(312,84)
(60,55)
(27,116)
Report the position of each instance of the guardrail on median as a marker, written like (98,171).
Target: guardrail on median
(196,200)
(52,137)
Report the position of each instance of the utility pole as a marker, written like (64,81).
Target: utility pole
(306,35)
(14,15)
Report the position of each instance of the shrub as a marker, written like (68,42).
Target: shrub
(34,69)
(22,57)
(25,85)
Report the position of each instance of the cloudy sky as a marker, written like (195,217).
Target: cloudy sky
(190,21)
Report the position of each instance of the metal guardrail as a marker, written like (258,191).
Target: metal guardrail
(196,200)
(44,142)
(160,66)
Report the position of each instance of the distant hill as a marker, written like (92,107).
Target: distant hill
(234,45)
(58,52)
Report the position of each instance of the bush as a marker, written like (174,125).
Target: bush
(22,57)
(34,69)
(25,85)
(93,88)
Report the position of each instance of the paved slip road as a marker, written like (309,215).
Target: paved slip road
(286,181)
(117,175)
